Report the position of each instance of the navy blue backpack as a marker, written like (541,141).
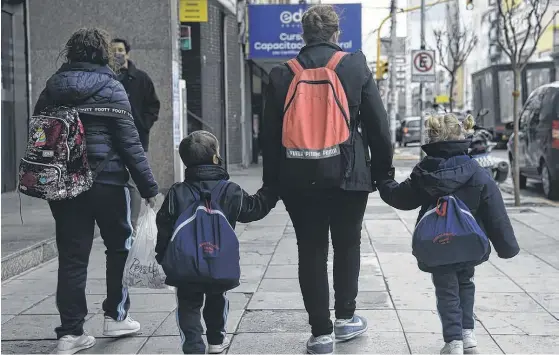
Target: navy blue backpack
(204,248)
(449,234)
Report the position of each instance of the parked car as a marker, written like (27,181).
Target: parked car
(539,140)
(411,130)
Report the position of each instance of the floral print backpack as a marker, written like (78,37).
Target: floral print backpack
(55,165)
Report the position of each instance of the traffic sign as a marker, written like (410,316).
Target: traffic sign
(423,66)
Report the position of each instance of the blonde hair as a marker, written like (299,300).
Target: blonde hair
(447,127)
(320,22)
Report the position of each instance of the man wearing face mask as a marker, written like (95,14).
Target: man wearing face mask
(144,101)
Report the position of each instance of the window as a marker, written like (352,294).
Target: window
(413,124)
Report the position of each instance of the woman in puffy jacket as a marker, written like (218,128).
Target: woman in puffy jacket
(114,151)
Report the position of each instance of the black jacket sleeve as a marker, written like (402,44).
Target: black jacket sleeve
(496,221)
(151,104)
(402,196)
(257,206)
(374,118)
(165,221)
(271,137)
(130,148)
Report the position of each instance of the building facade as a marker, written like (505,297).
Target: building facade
(211,69)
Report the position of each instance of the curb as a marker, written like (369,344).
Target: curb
(25,259)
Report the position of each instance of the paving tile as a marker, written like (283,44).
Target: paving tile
(162,345)
(431,343)
(7,317)
(374,343)
(49,271)
(421,282)
(525,265)
(506,302)
(420,321)
(149,322)
(261,248)
(282,272)
(30,327)
(254,258)
(294,301)
(237,300)
(539,285)
(28,346)
(15,304)
(130,345)
(496,284)
(387,229)
(169,325)
(518,323)
(273,321)
(48,306)
(19,287)
(549,301)
(250,277)
(523,344)
(488,270)
(414,300)
(279,285)
(269,343)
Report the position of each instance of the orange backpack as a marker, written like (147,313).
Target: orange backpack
(316,112)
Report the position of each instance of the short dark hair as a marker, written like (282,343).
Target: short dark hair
(89,45)
(123,41)
(198,148)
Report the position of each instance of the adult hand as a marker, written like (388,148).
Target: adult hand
(151,202)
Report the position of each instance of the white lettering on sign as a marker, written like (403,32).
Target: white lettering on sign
(288,17)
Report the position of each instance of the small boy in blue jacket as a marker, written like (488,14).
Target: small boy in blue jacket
(449,170)
(199,152)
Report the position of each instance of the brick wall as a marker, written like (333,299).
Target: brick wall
(234,90)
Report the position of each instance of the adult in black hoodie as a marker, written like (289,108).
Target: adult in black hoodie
(87,82)
(448,170)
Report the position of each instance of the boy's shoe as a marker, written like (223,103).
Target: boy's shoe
(113,328)
(323,344)
(71,344)
(470,341)
(219,348)
(346,329)
(454,347)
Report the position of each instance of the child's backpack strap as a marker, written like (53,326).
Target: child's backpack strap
(218,190)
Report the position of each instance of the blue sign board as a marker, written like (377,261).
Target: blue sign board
(275,30)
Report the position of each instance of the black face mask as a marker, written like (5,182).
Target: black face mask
(119,60)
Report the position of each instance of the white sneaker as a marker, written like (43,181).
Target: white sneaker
(454,347)
(470,341)
(113,328)
(71,344)
(218,349)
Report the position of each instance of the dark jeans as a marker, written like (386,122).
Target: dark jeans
(135,204)
(75,219)
(215,314)
(455,293)
(313,215)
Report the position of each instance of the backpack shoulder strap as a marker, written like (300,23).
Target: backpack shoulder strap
(218,190)
(335,60)
(294,66)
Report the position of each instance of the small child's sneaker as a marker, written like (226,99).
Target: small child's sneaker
(454,347)
(470,341)
(71,344)
(219,348)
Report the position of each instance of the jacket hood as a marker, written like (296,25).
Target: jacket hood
(76,82)
(205,172)
(446,168)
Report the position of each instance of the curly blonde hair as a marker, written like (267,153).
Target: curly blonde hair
(447,127)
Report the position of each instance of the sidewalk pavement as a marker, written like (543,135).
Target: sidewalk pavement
(517,304)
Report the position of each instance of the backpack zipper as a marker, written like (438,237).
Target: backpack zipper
(320,82)
(67,134)
(49,165)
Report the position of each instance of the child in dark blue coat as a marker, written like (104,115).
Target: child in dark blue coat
(448,170)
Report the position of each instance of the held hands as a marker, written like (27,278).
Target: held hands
(150,202)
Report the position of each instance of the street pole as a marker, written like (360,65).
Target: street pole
(392,78)
(421,88)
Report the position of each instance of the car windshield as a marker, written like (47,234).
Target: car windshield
(413,124)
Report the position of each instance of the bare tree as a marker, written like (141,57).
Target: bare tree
(454,46)
(521,27)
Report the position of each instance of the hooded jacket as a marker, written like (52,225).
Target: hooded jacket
(106,116)
(448,170)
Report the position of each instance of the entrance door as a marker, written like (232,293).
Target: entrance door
(9,164)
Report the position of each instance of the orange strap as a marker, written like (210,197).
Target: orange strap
(335,60)
(295,66)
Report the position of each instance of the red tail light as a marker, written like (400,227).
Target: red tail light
(555,134)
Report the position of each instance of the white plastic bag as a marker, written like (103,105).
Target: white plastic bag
(141,269)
